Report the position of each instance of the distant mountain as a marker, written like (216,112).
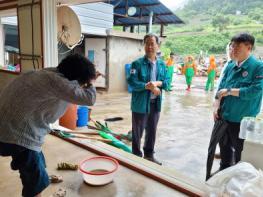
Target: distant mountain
(180,4)
(174,4)
(213,7)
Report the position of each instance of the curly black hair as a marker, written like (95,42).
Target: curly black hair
(77,67)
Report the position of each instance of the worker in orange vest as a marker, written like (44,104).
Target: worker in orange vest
(211,74)
(189,70)
(170,69)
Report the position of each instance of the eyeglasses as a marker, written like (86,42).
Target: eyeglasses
(150,44)
(234,45)
(237,45)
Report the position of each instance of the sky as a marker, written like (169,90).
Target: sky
(173,4)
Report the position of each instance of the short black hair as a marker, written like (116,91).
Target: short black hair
(243,38)
(172,53)
(151,35)
(77,67)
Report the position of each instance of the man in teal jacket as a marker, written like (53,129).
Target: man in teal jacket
(239,95)
(147,77)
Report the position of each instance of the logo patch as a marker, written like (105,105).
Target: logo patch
(245,74)
(133,71)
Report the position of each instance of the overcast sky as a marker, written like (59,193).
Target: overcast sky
(173,4)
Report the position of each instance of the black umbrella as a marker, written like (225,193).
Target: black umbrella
(217,133)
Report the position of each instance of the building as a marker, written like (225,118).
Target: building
(101,43)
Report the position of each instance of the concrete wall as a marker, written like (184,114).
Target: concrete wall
(121,51)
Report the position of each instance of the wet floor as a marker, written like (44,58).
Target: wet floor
(184,128)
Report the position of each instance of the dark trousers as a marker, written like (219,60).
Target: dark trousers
(31,165)
(231,146)
(149,123)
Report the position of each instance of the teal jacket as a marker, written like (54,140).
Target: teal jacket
(249,79)
(140,75)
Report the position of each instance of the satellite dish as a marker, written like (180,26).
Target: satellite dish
(68,27)
(131,11)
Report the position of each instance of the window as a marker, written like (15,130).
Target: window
(9,43)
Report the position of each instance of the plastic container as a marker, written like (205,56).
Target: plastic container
(98,170)
(127,74)
(83,116)
(69,118)
(251,129)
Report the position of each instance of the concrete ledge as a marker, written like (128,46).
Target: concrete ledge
(161,174)
(115,33)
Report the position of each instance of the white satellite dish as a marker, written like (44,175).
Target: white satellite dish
(68,27)
(131,11)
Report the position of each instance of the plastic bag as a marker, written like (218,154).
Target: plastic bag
(241,180)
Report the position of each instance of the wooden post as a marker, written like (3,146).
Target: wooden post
(132,29)
(161,30)
(147,28)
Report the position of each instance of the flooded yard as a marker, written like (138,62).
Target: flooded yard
(184,127)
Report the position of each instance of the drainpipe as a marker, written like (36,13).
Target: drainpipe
(49,11)
(150,22)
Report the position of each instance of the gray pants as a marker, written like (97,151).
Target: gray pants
(149,123)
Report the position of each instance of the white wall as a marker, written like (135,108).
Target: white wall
(122,51)
(98,46)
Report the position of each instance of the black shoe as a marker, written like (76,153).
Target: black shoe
(152,159)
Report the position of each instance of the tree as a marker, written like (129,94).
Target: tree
(256,14)
(220,22)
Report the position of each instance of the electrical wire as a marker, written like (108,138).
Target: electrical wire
(62,53)
(77,44)
(32,32)
(118,2)
(65,43)
(32,56)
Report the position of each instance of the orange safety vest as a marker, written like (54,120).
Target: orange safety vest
(169,62)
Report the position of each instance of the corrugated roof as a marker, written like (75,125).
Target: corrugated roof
(95,18)
(161,14)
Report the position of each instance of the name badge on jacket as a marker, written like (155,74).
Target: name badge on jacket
(133,71)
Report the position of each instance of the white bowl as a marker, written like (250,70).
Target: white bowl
(98,170)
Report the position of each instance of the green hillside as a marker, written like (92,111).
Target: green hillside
(213,7)
(209,24)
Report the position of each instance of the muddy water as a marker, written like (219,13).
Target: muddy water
(184,127)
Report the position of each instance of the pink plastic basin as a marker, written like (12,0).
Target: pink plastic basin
(99,170)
